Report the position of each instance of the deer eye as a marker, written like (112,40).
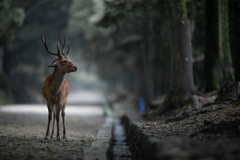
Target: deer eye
(64,61)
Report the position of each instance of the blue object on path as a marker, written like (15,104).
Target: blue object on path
(141,107)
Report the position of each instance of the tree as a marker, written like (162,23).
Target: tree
(118,11)
(24,57)
(11,18)
(181,82)
(237,39)
(218,62)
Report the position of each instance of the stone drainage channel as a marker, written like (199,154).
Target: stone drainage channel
(119,149)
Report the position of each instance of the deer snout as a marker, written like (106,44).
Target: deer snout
(75,68)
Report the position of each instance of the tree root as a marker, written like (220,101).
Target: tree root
(176,119)
(209,94)
(219,128)
(222,102)
(161,109)
(174,101)
(178,101)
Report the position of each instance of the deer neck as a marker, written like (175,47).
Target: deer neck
(58,77)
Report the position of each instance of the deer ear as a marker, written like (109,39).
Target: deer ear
(54,64)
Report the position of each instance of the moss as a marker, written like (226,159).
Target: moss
(218,61)
(177,9)
(11,18)
(18,16)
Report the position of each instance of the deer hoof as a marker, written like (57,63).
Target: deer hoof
(59,139)
(64,137)
(45,138)
(51,137)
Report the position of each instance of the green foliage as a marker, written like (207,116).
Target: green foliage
(18,16)
(25,59)
(11,18)
(139,18)
(177,9)
(116,11)
(116,52)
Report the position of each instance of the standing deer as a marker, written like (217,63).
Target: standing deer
(55,88)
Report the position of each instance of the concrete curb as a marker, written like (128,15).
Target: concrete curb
(98,149)
(142,146)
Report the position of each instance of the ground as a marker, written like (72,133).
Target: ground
(23,127)
(207,132)
(204,131)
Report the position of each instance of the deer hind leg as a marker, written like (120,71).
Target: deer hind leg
(58,118)
(63,119)
(54,117)
(49,120)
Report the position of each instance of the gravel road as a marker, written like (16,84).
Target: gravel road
(23,127)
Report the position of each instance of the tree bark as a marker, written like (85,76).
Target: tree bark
(227,68)
(148,81)
(5,88)
(237,40)
(181,81)
(218,62)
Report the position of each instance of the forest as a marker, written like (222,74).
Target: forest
(161,76)
(167,52)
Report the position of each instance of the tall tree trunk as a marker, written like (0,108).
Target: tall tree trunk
(218,62)
(5,89)
(192,16)
(212,44)
(138,78)
(181,81)
(148,81)
(237,40)
(227,68)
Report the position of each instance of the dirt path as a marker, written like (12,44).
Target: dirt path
(209,133)
(22,133)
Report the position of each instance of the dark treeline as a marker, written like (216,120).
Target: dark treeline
(136,48)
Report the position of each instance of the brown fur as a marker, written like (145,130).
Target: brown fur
(55,90)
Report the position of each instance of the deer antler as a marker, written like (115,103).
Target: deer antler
(63,46)
(44,40)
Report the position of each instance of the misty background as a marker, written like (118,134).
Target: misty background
(23,57)
(121,50)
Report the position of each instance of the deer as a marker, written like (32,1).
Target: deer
(55,88)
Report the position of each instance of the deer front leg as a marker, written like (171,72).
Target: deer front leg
(63,119)
(49,120)
(58,118)
(54,117)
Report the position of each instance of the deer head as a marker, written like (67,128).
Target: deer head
(62,63)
